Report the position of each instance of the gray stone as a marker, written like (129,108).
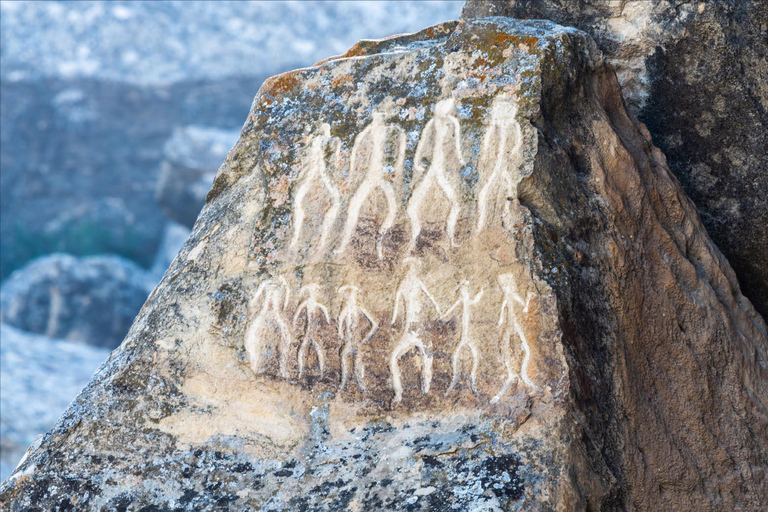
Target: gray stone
(192,157)
(443,271)
(694,72)
(92,299)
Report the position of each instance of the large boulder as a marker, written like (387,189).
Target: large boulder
(192,157)
(694,72)
(93,299)
(39,377)
(91,91)
(443,271)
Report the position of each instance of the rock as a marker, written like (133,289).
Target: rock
(90,93)
(92,299)
(694,73)
(40,377)
(192,157)
(444,271)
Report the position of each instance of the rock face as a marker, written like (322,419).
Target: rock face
(39,377)
(92,299)
(444,271)
(694,73)
(192,157)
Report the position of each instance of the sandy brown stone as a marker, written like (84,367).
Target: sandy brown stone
(446,271)
(694,72)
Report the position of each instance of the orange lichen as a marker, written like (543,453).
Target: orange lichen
(280,84)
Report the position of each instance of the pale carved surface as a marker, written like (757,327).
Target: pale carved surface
(421,320)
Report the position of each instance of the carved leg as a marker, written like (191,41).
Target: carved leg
(455,367)
(389,193)
(394,368)
(330,215)
(285,345)
(343,355)
(511,375)
(359,370)
(353,214)
(320,355)
(298,212)
(453,216)
(302,353)
(414,209)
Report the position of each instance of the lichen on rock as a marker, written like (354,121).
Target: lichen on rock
(443,271)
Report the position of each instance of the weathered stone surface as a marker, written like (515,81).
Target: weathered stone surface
(92,299)
(39,377)
(192,157)
(694,72)
(444,271)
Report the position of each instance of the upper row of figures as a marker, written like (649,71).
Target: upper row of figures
(356,326)
(436,163)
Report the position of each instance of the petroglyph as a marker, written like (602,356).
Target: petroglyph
(349,323)
(500,151)
(313,174)
(374,138)
(270,314)
(514,306)
(410,292)
(465,341)
(311,308)
(434,142)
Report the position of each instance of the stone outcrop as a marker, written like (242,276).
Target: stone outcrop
(92,299)
(192,157)
(91,92)
(694,72)
(443,271)
(39,377)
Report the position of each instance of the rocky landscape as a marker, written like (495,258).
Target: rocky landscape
(447,270)
(114,118)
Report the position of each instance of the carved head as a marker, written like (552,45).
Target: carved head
(503,110)
(444,107)
(378,117)
(310,290)
(349,290)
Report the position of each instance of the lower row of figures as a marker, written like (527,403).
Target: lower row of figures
(355,326)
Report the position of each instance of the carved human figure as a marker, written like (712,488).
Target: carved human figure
(269,313)
(512,307)
(466,301)
(501,145)
(374,138)
(411,292)
(349,323)
(440,143)
(311,309)
(312,175)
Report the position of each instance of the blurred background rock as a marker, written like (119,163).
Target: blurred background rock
(114,117)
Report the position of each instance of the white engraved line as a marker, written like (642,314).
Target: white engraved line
(435,172)
(348,323)
(501,120)
(271,290)
(411,287)
(465,341)
(373,179)
(507,281)
(310,307)
(313,169)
